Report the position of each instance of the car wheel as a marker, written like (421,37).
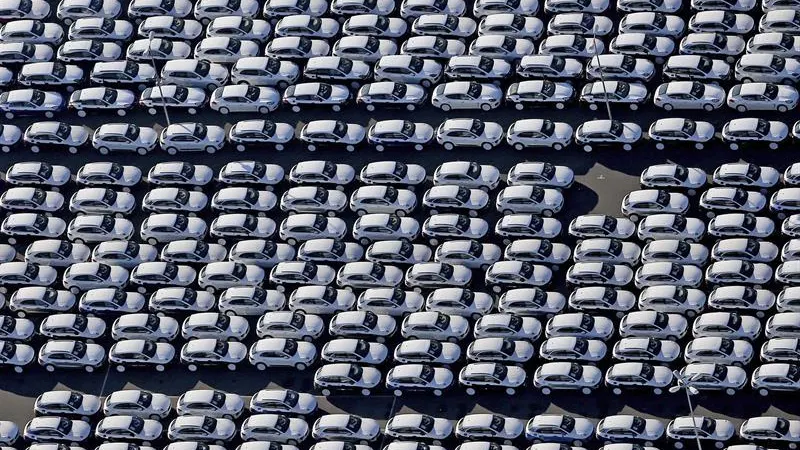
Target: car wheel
(231,367)
(211,86)
(72,150)
(192,367)
(336,108)
(326,392)
(5,149)
(426,83)
(380,148)
(487,107)
(448,146)
(192,111)
(172,151)
(370,108)
(290,241)
(19,369)
(627,147)
(546,391)
(782,108)
(311,147)
(411,107)
(747,80)
(511,391)
(547,213)
(487,146)
(120,369)
(296,108)
(366,392)
(350,148)
(519,106)
(587,148)
(282,85)
(152,111)
(470,391)
(773,145)
(658,391)
(300,366)
(577,443)
(74,290)
(634,218)
(741,108)
(211,150)
(397,393)
(88,369)
(659,146)
(586,391)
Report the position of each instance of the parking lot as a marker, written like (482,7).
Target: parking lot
(603,177)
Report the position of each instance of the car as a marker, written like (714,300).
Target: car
(263,70)
(310,94)
(602,299)
(417,377)
(637,375)
(18,273)
(607,133)
(192,136)
(419,426)
(170,227)
(282,401)
(427,351)
(67,403)
(444,25)
(579,325)
(408,69)
(22,53)
(212,352)
(696,68)
(390,93)
(57,135)
(169,27)
(159,273)
(301,273)
(662,272)
(566,376)
(172,96)
(593,273)
(537,93)
(646,349)
(655,23)
(36,225)
(731,198)
(244,98)
(111,301)
(653,201)
(737,352)
(681,131)
(368,49)
(579,23)
(31,102)
(783,202)
(621,67)
(599,225)
(32,31)
(655,324)
(782,44)
(363,324)
(630,427)
(786,299)
(469,132)
(69,354)
(770,428)
(689,95)
(344,376)
(18,357)
(98,200)
(124,137)
(738,272)
(16,330)
(571,348)
(374,25)
(214,325)
(278,428)
(18,10)
(306,25)
(332,133)
(399,251)
(358,351)
(336,68)
(249,133)
(762,96)
(633,94)
(781,20)
(510,49)
(140,353)
(765,67)
(558,427)
(180,301)
(291,325)
(193,73)
(57,429)
(435,325)
(532,301)
(531,133)
(201,429)
(321,300)
(56,253)
(775,377)
(726,324)
(491,376)
(416,8)
(207,10)
(713,44)
(144,326)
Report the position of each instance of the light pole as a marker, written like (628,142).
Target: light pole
(602,76)
(685,384)
(158,77)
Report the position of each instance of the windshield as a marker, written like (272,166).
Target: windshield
(354,422)
(442,321)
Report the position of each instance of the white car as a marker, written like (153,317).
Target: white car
(145,326)
(405,378)
(771,428)
(176,300)
(646,349)
(636,375)
(607,133)
(363,324)
(739,132)
(105,301)
(192,137)
(435,325)
(602,299)
(19,357)
(69,354)
(774,377)
(726,324)
(419,426)
(630,427)
(292,325)
(374,25)
(689,95)
(599,273)
(783,44)
(719,350)
(633,94)
(653,324)
(527,133)
(321,299)
(469,133)
(491,376)
(68,326)
(558,427)
(343,376)
(68,403)
(282,401)
(571,348)
(567,376)
(57,430)
(427,351)
(579,325)
(201,429)
(212,352)
(601,226)
(137,403)
(655,23)
(276,427)
(762,96)
(466,95)
(159,273)
(660,273)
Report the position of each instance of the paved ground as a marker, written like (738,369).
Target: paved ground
(603,178)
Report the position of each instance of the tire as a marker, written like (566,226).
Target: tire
(486,107)
(300,366)
(88,369)
(380,148)
(782,108)
(445,107)
(587,148)
(546,391)
(19,369)
(627,147)
(120,369)
(773,145)
(448,146)
(211,150)
(366,392)
(279,147)
(72,150)
(658,391)
(192,367)
(668,107)
(519,106)
(336,108)
(326,392)
(103,150)
(370,108)
(733,146)
(659,146)
(699,146)
(172,151)
(231,367)
(730,391)
(5,149)
(586,391)
(470,391)
(426,83)
(511,391)
(741,108)
(192,111)
(411,107)
(616,391)
(593,106)
(397,393)
(487,146)
(519,147)
(295,108)
(141,151)
(708,107)
(311,147)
